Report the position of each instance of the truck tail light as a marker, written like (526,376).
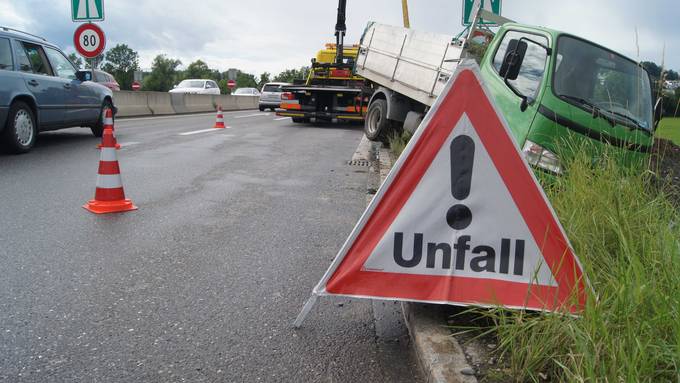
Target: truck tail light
(287,96)
(340,73)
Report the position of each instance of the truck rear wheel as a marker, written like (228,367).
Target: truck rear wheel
(376,124)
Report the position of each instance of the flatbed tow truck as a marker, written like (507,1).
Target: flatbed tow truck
(331,92)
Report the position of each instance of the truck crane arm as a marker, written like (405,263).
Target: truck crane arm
(340,29)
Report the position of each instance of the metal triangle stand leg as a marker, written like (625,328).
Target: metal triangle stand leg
(305,310)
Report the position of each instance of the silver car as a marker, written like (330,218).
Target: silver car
(270,98)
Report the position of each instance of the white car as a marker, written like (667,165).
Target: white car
(196,86)
(271,95)
(246,92)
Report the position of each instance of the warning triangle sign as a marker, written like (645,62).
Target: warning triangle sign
(460,219)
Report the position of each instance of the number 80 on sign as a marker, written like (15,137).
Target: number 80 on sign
(89,40)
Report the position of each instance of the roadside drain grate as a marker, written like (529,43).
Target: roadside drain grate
(359,163)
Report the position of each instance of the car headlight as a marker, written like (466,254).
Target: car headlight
(538,156)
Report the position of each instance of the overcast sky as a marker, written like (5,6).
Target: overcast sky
(272,35)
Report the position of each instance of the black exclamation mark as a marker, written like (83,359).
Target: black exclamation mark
(462,156)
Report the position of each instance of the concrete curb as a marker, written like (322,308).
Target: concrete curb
(439,355)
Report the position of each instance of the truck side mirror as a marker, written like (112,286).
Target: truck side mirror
(514,57)
(658,111)
(84,75)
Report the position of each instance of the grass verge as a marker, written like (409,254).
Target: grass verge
(669,128)
(626,233)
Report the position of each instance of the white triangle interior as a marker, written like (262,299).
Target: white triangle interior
(494,217)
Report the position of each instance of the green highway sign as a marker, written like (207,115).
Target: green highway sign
(87,10)
(493,6)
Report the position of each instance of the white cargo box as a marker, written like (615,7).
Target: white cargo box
(414,63)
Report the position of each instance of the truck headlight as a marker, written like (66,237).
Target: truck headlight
(540,157)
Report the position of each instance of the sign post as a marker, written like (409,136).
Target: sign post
(87,10)
(90,41)
(460,219)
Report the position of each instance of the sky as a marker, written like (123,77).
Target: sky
(272,35)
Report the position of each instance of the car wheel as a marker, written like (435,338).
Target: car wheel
(21,129)
(376,124)
(98,129)
(272,109)
(262,109)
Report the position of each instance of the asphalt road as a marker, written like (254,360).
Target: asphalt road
(202,283)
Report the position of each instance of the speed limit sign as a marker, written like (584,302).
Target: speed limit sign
(89,40)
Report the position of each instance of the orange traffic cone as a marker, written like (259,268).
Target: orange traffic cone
(219,121)
(109,196)
(108,123)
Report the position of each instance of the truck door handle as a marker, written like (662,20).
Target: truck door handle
(67,86)
(33,82)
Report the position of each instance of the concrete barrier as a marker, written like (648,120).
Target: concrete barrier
(196,103)
(227,102)
(247,102)
(131,103)
(177,102)
(159,103)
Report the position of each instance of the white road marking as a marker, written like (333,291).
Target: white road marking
(124,144)
(282,118)
(199,131)
(125,119)
(363,150)
(253,115)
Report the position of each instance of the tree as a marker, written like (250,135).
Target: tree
(198,69)
(672,75)
(94,62)
(122,62)
(163,74)
(224,89)
(653,69)
(289,75)
(264,78)
(76,60)
(245,80)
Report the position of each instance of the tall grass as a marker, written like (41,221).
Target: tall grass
(398,141)
(627,235)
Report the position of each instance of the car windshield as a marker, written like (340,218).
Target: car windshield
(272,88)
(604,79)
(190,84)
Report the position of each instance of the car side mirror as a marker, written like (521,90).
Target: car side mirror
(84,75)
(658,111)
(514,57)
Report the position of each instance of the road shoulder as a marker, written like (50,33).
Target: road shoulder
(439,354)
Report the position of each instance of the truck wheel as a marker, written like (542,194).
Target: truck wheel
(376,124)
(300,120)
(21,129)
(98,129)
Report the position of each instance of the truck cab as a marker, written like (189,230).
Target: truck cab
(553,88)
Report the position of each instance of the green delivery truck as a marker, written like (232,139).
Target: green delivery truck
(549,85)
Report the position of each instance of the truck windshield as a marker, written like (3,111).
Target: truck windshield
(601,78)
